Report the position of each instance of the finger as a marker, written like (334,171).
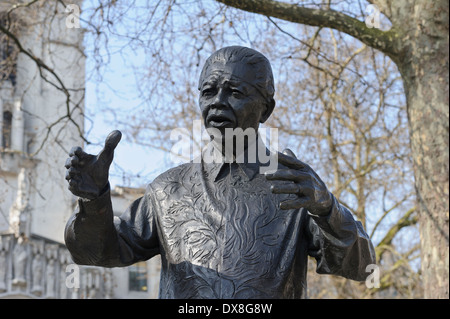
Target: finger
(288,152)
(285,188)
(82,156)
(110,144)
(72,161)
(68,162)
(71,173)
(290,161)
(288,175)
(74,182)
(68,177)
(113,139)
(73,185)
(75,151)
(292,204)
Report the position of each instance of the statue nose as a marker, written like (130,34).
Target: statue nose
(220,100)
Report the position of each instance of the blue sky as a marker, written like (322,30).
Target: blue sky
(118,89)
(129,158)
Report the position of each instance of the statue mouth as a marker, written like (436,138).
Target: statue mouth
(220,119)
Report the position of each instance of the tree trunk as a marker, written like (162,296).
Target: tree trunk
(424,68)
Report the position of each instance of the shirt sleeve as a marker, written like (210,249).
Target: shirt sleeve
(94,236)
(340,244)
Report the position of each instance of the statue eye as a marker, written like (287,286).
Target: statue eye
(208,92)
(237,94)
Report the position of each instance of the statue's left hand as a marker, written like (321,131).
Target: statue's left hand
(300,178)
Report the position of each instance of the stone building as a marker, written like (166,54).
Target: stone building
(37,124)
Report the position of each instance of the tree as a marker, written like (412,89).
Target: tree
(418,43)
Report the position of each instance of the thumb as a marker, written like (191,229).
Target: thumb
(288,152)
(110,144)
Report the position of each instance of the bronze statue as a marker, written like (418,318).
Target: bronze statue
(223,229)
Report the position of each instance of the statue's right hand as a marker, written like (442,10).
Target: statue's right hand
(88,174)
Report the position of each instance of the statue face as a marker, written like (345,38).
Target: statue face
(229,97)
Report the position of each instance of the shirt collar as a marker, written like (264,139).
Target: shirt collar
(217,166)
(220,170)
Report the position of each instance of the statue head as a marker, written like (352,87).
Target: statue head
(236,89)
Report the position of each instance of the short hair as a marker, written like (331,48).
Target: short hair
(256,60)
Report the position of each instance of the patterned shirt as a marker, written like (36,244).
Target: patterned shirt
(221,234)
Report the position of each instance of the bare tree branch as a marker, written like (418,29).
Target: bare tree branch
(407,220)
(385,41)
(59,85)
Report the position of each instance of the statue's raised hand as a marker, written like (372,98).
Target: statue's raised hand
(88,174)
(301,180)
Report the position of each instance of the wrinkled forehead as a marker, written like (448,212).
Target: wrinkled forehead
(231,71)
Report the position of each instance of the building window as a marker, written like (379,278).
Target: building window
(6,129)
(137,277)
(8,52)
(8,62)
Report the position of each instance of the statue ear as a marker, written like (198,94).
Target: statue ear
(268,111)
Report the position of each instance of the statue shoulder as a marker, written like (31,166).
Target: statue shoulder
(175,174)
